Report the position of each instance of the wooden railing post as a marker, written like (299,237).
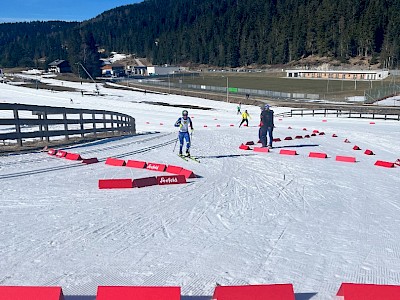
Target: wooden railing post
(46,125)
(94,124)
(112,123)
(81,125)
(17,127)
(65,125)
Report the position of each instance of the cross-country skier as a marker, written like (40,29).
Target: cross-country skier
(184,123)
(239,107)
(267,126)
(245,118)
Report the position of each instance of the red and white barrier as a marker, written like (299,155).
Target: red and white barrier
(115,183)
(138,293)
(260,149)
(253,292)
(385,164)
(89,161)
(368,152)
(31,293)
(349,159)
(317,155)
(156,167)
(171,179)
(73,156)
(287,152)
(138,164)
(115,162)
(358,291)
(143,182)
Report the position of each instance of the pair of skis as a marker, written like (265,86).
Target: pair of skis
(187,158)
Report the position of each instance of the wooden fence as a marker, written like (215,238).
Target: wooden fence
(367,113)
(19,122)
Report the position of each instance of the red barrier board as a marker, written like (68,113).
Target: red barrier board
(156,167)
(136,164)
(250,143)
(261,149)
(73,156)
(254,292)
(315,131)
(288,138)
(276,140)
(187,173)
(356,148)
(346,158)
(172,179)
(174,169)
(386,164)
(322,133)
(115,184)
(324,120)
(31,292)
(289,127)
(232,125)
(368,152)
(305,129)
(357,291)
(138,293)
(313,134)
(298,137)
(142,182)
(346,141)
(61,153)
(115,162)
(334,135)
(307,136)
(244,147)
(318,155)
(218,125)
(52,152)
(287,152)
(89,161)
(372,123)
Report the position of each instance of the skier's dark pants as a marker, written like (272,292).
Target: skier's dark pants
(244,120)
(184,136)
(263,132)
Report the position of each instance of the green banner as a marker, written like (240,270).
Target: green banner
(233,90)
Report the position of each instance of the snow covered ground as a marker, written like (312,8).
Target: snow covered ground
(250,218)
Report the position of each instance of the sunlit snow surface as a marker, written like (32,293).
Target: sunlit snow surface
(250,218)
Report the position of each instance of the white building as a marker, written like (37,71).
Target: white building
(339,75)
(162,70)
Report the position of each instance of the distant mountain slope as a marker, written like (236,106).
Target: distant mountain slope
(224,33)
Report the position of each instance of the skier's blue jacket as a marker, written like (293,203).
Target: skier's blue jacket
(184,124)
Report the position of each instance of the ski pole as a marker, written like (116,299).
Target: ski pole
(176,141)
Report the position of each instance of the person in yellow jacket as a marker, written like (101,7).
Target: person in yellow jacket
(245,118)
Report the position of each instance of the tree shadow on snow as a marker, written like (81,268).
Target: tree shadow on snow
(304,296)
(107,140)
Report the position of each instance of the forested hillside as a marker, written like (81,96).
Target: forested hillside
(222,33)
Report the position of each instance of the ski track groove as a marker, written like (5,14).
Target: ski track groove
(80,164)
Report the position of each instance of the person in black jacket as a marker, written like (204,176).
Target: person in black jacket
(267,126)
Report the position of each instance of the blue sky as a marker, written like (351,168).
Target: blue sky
(66,10)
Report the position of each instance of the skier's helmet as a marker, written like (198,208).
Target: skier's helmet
(266,106)
(185,113)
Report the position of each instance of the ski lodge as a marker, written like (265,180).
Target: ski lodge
(338,75)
